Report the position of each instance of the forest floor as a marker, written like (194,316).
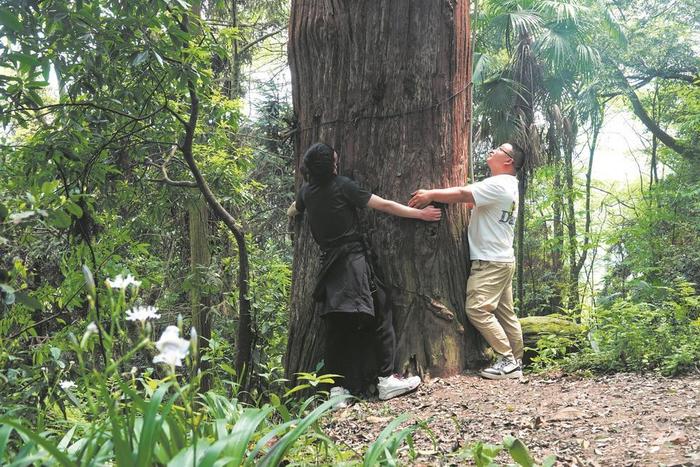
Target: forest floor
(621,419)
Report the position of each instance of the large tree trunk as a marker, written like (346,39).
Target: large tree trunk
(384,82)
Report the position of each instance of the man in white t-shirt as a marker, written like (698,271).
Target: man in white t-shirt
(494,204)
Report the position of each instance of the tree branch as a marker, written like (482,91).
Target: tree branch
(81,104)
(681,148)
(166,179)
(251,44)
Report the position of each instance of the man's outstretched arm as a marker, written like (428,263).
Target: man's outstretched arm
(457,194)
(429,214)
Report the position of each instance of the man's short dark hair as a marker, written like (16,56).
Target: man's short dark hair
(318,162)
(518,156)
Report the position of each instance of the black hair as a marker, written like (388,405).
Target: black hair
(318,163)
(518,156)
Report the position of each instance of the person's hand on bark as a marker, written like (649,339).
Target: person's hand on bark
(420,199)
(431,214)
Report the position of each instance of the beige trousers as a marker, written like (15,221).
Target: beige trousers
(490,306)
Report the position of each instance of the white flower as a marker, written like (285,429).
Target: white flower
(67,384)
(142,313)
(172,347)
(91,328)
(121,282)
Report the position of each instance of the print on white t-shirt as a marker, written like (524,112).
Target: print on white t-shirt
(492,224)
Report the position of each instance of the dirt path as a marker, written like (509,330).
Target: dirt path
(611,420)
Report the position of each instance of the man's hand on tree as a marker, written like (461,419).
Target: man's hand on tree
(420,199)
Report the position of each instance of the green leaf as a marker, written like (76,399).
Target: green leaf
(152,425)
(388,442)
(46,70)
(140,58)
(299,387)
(63,444)
(26,62)
(74,209)
(228,369)
(518,451)
(48,188)
(59,219)
(5,431)
(3,212)
(250,461)
(158,58)
(187,455)
(10,20)
(9,299)
(274,456)
(58,456)
(28,301)
(243,431)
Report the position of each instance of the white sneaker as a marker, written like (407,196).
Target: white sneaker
(396,385)
(338,391)
(504,368)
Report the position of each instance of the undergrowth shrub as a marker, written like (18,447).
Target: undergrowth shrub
(656,328)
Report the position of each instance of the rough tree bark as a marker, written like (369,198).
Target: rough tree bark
(200,260)
(384,82)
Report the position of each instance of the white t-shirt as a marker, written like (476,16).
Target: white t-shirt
(492,224)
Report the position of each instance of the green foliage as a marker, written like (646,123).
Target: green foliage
(550,350)
(135,419)
(658,240)
(484,454)
(383,450)
(659,329)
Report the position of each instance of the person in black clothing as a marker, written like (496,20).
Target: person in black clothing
(353,303)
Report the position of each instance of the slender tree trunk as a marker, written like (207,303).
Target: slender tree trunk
(385,83)
(526,75)
(200,260)
(245,332)
(235,72)
(520,244)
(555,301)
(653,175)
(572,282)
(586,246)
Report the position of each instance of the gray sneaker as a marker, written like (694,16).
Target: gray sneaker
(396,385)
(504,368)
(339,391)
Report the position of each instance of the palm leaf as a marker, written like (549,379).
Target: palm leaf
(614,29)
(483,67)
(555,48)
(562,10)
